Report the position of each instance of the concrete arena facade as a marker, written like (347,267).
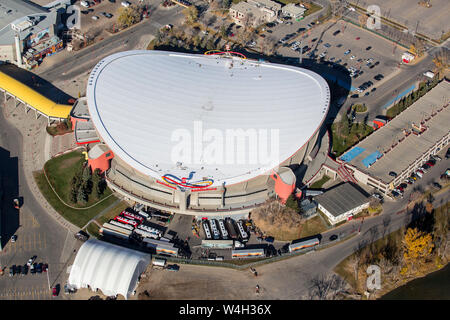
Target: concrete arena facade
(297,103)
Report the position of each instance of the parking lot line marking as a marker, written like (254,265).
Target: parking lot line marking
(34,241)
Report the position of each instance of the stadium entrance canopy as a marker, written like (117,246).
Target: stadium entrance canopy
(110,268)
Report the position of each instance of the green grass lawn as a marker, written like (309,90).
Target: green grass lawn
(114,211)
(343,138)
(319,183)
(60,171)
(312,227)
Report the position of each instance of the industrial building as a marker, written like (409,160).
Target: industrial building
(141,106)
(387,157)
(342,202)
(29,32)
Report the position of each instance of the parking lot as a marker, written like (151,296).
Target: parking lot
(363,54)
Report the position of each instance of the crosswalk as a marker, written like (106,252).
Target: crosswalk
(29,293)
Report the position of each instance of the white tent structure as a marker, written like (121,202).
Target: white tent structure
(110,268)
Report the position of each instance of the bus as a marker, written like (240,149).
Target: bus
(116,228)
(217,244)
(127,221)
(150,229)
(303,244)
(133,216)
(215,231)
(222,229)
(242,232)
(206,229)
(120,224)
(229,223)
(146,234)
(167,250)
(247,253)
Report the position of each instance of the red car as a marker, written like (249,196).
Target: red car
(431,164)
(54,291)
(357,38)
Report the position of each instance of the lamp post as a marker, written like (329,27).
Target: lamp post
(48,278)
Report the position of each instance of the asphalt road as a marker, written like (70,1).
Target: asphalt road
(38,234)
(72,64)
(290,278)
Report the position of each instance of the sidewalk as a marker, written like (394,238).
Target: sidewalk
(33,152)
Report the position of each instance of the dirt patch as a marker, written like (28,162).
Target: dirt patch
(278,221)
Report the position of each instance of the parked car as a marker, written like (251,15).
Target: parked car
(54,291)
(125,4)
(39,267)
(173,267)
(33,268)
(12,270)
(437,185)
(24,269)
(14,238)
(368,48)
(84,4)
(347,52)
(95,18)
(392,174)
(333,237)
(336,32)
(31,260)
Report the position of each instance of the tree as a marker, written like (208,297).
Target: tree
(128,16)
(226,4)
(96,183)
(82,197)
(223,31)
(417,247)
(191,14)
(292,203)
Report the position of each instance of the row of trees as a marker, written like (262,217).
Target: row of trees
(86,184)
(408,100)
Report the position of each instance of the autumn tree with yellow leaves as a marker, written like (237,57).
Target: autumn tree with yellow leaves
(417,248)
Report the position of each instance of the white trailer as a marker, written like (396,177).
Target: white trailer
(206,229)
(150,229)
(117,234)
(159,263)
(145,234)
(242,232)
(223,230)
(215,231)
(120,224)
(116,228)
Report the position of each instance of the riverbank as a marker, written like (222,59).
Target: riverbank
(404,256)
(434,286)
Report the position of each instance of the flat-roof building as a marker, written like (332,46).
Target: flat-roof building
(342,202)
(28,32)
(404,143)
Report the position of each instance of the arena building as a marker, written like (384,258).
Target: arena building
(199,134)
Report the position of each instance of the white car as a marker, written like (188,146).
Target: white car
(125,4)
(84,4)
(95,18)
(30,261)
(352,57)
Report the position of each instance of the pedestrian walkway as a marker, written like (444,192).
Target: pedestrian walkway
(33,146)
